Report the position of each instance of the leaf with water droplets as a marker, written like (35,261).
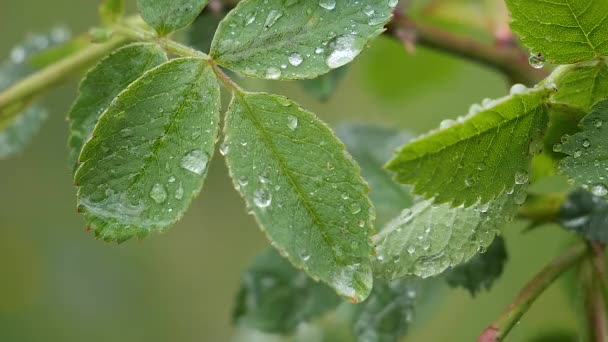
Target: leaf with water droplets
(564,31)
(427,239)
(444,164)
(586,213)
(582,84)
(111,11)
(587,160)
(303,188)
(275,297)
(371,146)
(301,39)
(166,16)
(481,271)
(149,151)
(101,85)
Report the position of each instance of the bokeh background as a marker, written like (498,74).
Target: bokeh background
(57,283)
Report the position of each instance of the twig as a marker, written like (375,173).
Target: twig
(501,327)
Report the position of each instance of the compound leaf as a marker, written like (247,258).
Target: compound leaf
(564,31)
(480,155)
(278,39)
(101,85)
(582,84)
(149,151)
(482,270)
(587,151)
(303,188)
(427,239)
(166,16)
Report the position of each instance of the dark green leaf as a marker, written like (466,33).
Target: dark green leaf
(278,39)
(167,16)
(482,270)
(303,188)
(563,119)
(101,85)
(371,147)
(479,156)
(275,297)
(324,86)
(149,152)
(564,31)
(111,11)
(586,214)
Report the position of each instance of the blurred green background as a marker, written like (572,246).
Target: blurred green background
(57,283)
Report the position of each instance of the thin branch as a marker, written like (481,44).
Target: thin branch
(501,327)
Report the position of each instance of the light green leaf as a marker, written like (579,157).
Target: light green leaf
(482,270)
(371,146)
(587,151)
(303,188)
(427,239)
(19,131)
(479,156)
(564,31)
(101,85)
(111,11)
(167,16)
(275,297)
(149,152)
(582,84)
(278,39)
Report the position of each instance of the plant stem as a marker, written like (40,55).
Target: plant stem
(501,327)
(28,88)
(509,60)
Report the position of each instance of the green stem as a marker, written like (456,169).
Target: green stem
(501,327)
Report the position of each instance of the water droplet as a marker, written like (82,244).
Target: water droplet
(447,123)
(557,148)
(158,193)
(411,250)
(179,192)
(344,196)
(517,89)
(328,4)
(586,143)
(599,190)
(597,123)
(469,181)
(380,257)
(273,73)
(195,161)
(577,154)
(392,3)
(243,181)
(171,179)
(263,179)
(354,208)
(369,10)
(272,18)
(343,49)
(262,198)
(224,149)
(292,122)
(305,257)
(481,166)
(536,60)
(521,177)
(250,18)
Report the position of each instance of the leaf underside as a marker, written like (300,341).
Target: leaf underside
(149,152)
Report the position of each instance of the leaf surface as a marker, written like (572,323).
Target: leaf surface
(149,152)
(167,16)
(582,84)
(478,156)
(564,31)
(277,39)
(101,85)
(303,188)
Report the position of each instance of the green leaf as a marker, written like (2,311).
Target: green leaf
(587,151)
(149,152)
(563,119)
(324,86)
(371,146)
(582,84)
(167,16)
(275,297)
(19,131)
(564,31)
(585,214)
(303,188)
(482,270)
(111,11)
(479,156)
(427,239)
(101,85)
(278,39)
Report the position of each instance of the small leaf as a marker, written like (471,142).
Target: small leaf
(324,86)
(101,85)
(585,214)
(564,31)
(371,146)
(482,270)
(275,297)
(303,188)
(111,11)
(582,84)
(275,39)
(427,239)
(149,152)
(563,119)
(587,151)
(479,156)
(167,16)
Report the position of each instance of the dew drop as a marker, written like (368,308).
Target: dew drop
(447,123)
(292,122)
(586,143)
(577,154)
(481,166)
(354,207)
(195,161)
(517,89)
(179,193)
(369,11)
(250,18)
(158,193)
(262,198)
(536,60)
(392,3)
(171,179)
(224,149)
(557,148)
(597,123)
(411,250)
(599,190)
(272,18)
(469,181)
(273,73)
(243,181)
(521,177)
(328,4)
(343,49)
